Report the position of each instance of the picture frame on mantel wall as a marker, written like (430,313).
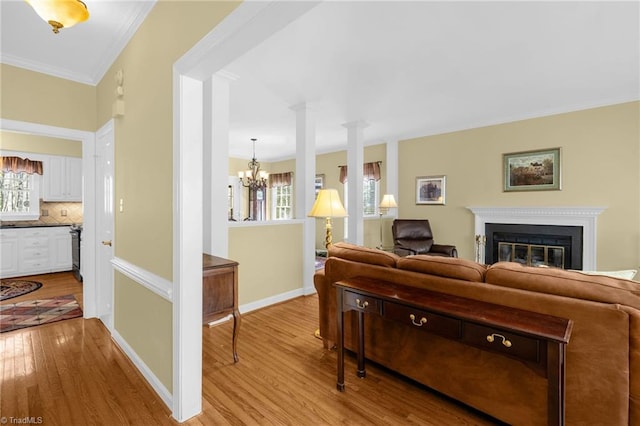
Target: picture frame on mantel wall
(532,170)
(431,190)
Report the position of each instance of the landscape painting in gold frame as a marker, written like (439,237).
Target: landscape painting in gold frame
(532,170)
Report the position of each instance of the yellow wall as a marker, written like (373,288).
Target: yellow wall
(144,167)
(13,141)
(144,135)
(270,258)
(143,318)
(39,98)
(600,167)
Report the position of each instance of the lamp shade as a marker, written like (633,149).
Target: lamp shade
(328,204)
(388,202)
(60,13)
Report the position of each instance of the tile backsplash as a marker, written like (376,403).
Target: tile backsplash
(53,213)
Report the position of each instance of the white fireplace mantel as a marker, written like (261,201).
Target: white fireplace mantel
(586,217)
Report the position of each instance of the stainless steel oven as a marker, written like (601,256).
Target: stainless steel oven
(76,231)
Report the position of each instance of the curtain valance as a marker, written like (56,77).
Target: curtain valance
(280,179)
(370,171)
(19,165)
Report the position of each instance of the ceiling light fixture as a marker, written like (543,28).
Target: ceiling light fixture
(60,13)
(254,178)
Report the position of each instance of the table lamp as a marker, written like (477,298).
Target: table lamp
(328,205)
(388,202)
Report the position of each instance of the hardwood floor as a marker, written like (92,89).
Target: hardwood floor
(71,373)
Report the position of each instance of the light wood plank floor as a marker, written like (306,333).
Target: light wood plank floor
(71,373)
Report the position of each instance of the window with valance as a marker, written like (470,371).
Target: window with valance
(19,190)
(370,171)
(281,195)
(370,188)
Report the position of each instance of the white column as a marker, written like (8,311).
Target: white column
(216,164)
(355,161)
(187,253)
(304,188)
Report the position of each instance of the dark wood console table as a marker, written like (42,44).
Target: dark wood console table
(220,293)
(535,338)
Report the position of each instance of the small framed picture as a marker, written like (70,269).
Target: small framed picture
(532,170)
(430,190)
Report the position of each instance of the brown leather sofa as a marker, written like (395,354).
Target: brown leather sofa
(603,354)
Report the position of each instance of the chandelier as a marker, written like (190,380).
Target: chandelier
(60,13)
(254,178)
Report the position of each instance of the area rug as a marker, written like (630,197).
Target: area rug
(11,288)
(14,316)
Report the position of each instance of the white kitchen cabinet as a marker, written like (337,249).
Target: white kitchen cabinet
(37,250)
(8,252)
(33,251)
(60,249)
(62,179)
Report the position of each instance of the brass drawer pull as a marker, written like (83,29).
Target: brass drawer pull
(422,322)
(360,304)
(506,342)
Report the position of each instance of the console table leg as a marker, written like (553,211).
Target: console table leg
(361,370)
(236,331)
(340,339)
(556,382)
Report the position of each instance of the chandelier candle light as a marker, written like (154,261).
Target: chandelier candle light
(388,202)
(328,205)
(60,13)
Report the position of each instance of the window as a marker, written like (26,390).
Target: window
(19,196)
(370,195)
(281,195)
(282,202)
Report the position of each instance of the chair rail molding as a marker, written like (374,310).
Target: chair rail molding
(584,216)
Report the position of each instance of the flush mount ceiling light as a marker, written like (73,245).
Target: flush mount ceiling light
(60,13)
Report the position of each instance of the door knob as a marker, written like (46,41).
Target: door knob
(107,243)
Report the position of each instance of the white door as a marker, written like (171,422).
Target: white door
(104,223)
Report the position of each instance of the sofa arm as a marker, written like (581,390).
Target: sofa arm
(443,249)
(327,308)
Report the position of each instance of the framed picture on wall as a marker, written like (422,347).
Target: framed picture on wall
(430,190)
(319,183)
(532,170)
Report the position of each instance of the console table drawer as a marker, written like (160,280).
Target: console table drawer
(362,303)
(497,340)
(424,320)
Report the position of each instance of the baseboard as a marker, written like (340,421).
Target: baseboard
(151,378)
(263,303)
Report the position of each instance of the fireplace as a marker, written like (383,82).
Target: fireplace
(534,245)
(584,218)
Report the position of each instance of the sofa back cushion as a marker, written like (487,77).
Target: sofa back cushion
(449,267)
(565,283)
(361,254)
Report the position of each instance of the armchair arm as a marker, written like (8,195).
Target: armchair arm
(403,251)
(444,249)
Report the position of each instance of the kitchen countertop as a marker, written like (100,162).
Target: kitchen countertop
(34,225)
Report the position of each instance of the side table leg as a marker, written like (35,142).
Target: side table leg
(340,338)
(236,331)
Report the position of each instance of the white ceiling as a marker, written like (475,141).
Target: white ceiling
(407,69)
